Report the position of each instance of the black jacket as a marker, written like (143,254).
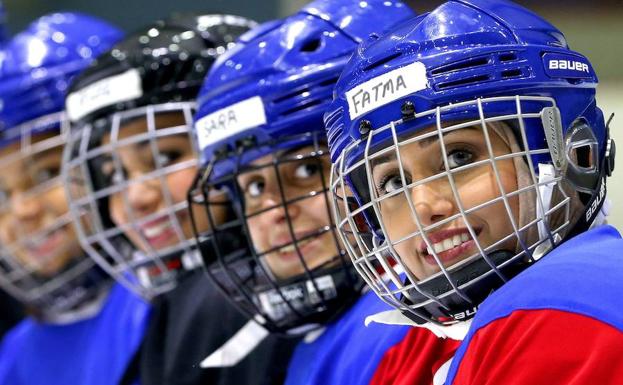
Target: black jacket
(191,322)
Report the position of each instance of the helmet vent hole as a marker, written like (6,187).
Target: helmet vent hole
(311,45)
(510,56)
(328,82)
(290,95)
(463,82)
(514,73)
(583,156)
(302,107)
(466,64)
(382,61)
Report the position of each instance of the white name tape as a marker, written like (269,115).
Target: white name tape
(105,92)
(386,88)
(230,120)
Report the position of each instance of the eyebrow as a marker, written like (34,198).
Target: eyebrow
(422,143)
(47,152)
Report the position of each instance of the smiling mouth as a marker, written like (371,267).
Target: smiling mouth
(292,248)
(448,245)
(43,248)
(159,232)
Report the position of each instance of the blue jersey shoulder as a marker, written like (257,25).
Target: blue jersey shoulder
(581,276)
(347,352)
(94,351)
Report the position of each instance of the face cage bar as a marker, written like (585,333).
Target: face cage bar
(368,257)
(229,281)
(102,242)
(18,279)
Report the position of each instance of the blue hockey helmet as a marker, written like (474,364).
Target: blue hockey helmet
(40,260)
(267,96)
(508,75)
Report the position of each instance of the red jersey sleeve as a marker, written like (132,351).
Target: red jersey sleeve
(415,360)
(543,347)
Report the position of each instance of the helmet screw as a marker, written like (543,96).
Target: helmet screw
(220,152)
(364,127)
(407,110)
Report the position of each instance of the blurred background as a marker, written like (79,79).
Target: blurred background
(594,28)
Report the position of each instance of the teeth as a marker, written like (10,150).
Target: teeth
(456,240)
(292,247)
(154,231)
(39,241)
(438,247)
(448,243)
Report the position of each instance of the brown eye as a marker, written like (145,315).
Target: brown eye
(45,174)
(306,170)
(165,158)
(255,188)
(458,158)
(389,183)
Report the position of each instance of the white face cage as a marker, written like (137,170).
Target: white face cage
(127,178)
(41,263)
(453,254)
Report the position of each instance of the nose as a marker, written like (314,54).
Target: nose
(432,203)
(144,197)
(275,210)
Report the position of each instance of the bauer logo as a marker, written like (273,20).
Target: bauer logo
(103,93)
(386,88)
(566,66)
(230,120)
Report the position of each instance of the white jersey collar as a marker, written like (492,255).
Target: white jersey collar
(457,331)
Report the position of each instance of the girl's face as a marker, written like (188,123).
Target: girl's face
(158,178)
(433,200)
(285,233)
(34,224)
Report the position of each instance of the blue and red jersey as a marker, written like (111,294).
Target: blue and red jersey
(349,353)
(558,322)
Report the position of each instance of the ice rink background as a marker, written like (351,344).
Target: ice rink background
(593,28)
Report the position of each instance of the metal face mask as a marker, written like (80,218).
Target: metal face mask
(278,247)
(131,158)
(129,193)
(41,260)
(452,207)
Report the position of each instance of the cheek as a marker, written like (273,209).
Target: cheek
(396,217)
(484,186)
(117,212)
(258,235)
(4,228)
(316,210)
(57,200)
(179,183)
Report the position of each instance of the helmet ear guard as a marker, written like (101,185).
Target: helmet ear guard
(587,174)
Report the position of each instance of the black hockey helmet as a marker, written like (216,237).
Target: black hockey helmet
(151,79)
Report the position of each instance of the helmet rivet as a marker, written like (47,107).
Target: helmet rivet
(364,127)
(407,110)
(221,152)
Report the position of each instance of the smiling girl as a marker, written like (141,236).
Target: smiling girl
(484,173)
